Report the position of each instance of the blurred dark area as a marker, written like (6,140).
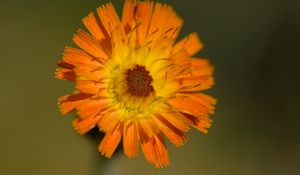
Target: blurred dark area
(253,44)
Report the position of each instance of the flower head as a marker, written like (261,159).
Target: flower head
(135,82)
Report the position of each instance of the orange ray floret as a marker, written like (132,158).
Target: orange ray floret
(90,45)
(130,139)
(134,82)
(111,141)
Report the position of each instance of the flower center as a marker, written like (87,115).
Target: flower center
(138,81)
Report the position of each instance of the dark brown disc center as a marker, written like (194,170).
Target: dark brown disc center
(138,81)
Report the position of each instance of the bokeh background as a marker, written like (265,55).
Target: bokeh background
(254,45)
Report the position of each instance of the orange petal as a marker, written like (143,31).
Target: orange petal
(65,65)
(200,67)
(79,58)
(155,151)
(89,86)
(188,105)
(143,15)
(207,105)
(206,102)
(117,38)
(84,125)
(130,139)
(195,108)
(110,141)
(109,17)
(68,103)
(109,121)
(180,56)
(88,74)
(202,123)
(164,23)
(175,135)
(189,45)
(65,74)
(191,68)
(148,126)
(194,83)
(177,70)
(90,45)
(92,107)
(128,14)
(176,121)
(96,28)
(92,24)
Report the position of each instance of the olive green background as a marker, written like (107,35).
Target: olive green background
(253,44)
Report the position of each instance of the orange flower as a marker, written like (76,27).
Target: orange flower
(134,82)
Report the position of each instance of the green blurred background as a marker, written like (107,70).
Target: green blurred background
(254,45)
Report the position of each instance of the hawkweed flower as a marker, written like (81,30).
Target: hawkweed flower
(135,82)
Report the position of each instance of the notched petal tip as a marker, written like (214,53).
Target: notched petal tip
(155,151)
(110,142)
